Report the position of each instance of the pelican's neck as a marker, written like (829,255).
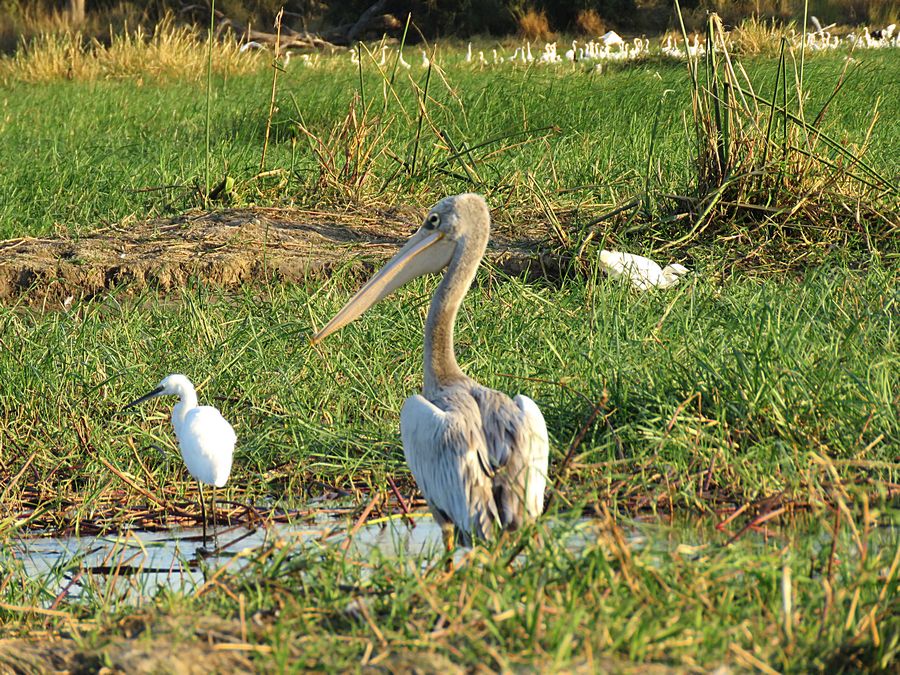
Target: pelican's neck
(441,367)
(187,400)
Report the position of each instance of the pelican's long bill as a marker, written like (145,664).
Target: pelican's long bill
(426,252)
(146,397)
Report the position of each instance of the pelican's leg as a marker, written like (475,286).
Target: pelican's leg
(202,512)
(448,534)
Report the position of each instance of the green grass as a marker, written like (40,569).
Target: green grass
(625,599)
(83,154)
(737,386)
(749,376)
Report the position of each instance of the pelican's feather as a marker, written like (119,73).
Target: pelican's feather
(448,458)
(518,446)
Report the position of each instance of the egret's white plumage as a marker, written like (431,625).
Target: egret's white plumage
(611,38)
(205,438)
(479,457)
(207,442)
(643,272)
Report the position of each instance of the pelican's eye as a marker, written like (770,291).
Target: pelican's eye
(432,221)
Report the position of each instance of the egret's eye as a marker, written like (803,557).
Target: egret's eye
(432,221)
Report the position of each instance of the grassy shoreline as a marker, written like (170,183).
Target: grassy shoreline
(762,388)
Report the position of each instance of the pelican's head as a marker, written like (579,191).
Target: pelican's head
(456,224)
(460,218)
(173,385)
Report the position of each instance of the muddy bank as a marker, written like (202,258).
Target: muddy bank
(227,249)
(139,644)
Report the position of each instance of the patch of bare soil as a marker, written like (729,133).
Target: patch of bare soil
(181,647)
(185,646)
(227,249)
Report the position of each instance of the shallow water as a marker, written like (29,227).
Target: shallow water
(134,566)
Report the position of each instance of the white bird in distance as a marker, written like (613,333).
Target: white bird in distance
(643,273)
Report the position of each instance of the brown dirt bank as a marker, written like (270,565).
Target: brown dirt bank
(139,644)
(206,644)
(227,248)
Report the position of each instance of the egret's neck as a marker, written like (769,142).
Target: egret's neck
(186,401)
(441,367)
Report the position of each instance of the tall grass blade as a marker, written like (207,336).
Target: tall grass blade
(423,110)
(400,49)
(800,89)
(362,88)
(210,36)
(276,66)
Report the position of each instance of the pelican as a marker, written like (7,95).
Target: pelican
(479,457)
(205,438)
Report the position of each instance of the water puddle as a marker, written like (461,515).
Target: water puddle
(136,565)
(133,566)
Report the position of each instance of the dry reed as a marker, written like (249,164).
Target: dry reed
(766,173)
(168,51)
(590,23)
(533,25)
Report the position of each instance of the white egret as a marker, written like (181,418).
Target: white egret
(479,457)
(643,272)
(611,39)
(205,438)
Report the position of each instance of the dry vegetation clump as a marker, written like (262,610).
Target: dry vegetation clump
(767,172)
(23,21)
(347,157)
(534,25)
(590,22)
(19,22)
(169,51)
(758,36)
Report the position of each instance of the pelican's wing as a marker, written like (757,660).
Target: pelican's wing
(447,456)
(501,423)
(536,450)
(518,448)
(207,445)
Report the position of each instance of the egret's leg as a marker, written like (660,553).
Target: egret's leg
(215,528)
(202,512)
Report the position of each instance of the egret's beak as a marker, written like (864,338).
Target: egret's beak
(146,397)
(426,252)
